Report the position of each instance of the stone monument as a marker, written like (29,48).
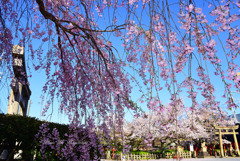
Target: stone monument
(203,153)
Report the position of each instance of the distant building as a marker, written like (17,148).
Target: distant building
(237,122)
(236,118)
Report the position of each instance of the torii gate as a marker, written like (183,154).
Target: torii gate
(226,132)
(20,92)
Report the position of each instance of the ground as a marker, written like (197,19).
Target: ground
(203,159)
(195,159)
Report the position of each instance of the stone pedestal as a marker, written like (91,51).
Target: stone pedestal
(203,155)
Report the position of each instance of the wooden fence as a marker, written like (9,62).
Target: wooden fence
(181,154)
(150,156)
(139,157)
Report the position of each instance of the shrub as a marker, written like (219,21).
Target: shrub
(139,152)
(169,151)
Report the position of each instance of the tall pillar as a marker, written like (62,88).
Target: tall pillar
(236,142)
(220,142)
(14,99)
(13,105)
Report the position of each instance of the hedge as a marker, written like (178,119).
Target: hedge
(19,129)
